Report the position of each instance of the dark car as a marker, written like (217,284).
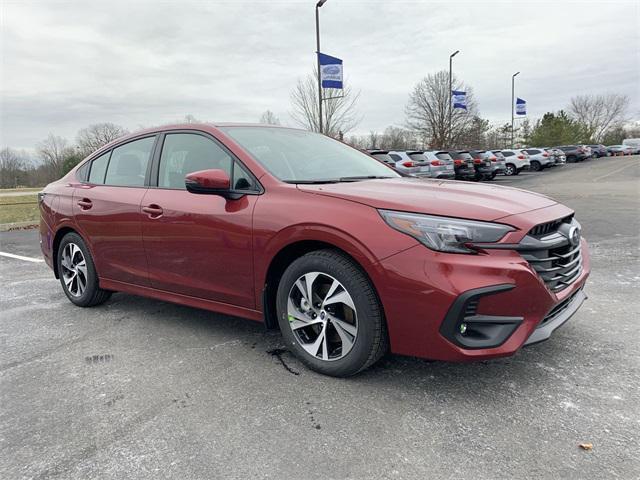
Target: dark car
(599,151)
(484,167)
(463,165)
(574,153)
(304,233)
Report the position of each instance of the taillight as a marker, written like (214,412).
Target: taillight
(477,161)
(545,154)
(493,159)
(520,157)
(437,163)
(408,164)
(458,162)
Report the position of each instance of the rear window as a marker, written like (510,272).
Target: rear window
(395,157)
(532,151)
(418,157)
(383,157)
(443,156)
(508,153)
(464,156)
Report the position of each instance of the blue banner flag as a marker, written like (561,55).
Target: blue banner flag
(459,99)
(330,71)
(521,107)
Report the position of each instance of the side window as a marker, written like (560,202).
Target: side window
(128,164)
(99,168)
(184,153)
(81,173)
(241,179)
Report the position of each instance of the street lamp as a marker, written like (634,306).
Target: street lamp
(513,83)
(450,93)
(318,5)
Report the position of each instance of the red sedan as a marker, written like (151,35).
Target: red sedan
(342,253)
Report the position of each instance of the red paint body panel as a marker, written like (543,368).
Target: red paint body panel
(200,245)
(214,253)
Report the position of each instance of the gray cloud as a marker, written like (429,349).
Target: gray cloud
(68,64)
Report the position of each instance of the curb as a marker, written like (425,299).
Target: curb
(8,227)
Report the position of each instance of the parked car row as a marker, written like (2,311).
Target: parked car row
(486,164)
(469,164)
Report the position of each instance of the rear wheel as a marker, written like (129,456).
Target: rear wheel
(77,273)
(329,314)
(510,169)
(536,166)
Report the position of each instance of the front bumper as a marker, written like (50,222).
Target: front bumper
(422,290)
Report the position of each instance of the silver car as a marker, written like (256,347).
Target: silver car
(440,164)
(539,158)
(406,162)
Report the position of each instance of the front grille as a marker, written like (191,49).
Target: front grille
(558,309)
(551,254)
(549,227)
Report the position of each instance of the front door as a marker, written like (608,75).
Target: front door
(199,245)
(107,211)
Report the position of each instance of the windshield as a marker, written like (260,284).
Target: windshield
(298,156)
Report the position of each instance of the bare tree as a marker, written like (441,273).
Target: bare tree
(11,168)
(94,136)
(54,151)
(338,109)
(269,118)
(428,110)
(599,113)
(374,139)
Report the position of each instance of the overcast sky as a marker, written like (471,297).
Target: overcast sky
(136,63)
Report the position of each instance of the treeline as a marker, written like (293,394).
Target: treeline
(54,156)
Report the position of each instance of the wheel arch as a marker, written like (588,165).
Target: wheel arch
(287,255)
(56,244)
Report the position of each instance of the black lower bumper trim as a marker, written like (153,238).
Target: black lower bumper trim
(466,329)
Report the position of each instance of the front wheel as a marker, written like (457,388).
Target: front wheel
(329,314)
(510,170)
(78,273)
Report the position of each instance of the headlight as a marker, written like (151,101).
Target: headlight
(445,234)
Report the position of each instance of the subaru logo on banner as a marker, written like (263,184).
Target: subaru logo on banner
(330,71)
(459,99)
(521,107)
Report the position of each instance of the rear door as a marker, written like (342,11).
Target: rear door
(107,210)
(199,245)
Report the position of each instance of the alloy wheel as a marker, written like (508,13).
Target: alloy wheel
(74,269)
(322,316)
(509,170)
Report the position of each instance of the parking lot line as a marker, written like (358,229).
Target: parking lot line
(20,257)
(626,165)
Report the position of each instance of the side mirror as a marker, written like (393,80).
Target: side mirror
(212,182)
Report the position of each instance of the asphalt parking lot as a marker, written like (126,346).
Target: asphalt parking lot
(143,389)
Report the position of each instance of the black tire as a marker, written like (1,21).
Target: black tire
(535,166)
(92,295)
(371,342)
(510,169)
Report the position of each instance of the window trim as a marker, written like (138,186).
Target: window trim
(155,163)
(95,156)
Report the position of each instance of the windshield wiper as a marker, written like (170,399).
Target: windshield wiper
(313,182)
(362,177)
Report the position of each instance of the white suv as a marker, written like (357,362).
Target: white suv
(539,158)
(516,161)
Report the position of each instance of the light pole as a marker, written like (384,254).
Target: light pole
(450,94)
(513,85)
(318,5)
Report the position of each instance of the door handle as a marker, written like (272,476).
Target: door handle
(85,204)
(153,210)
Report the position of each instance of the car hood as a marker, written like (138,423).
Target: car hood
(436,197)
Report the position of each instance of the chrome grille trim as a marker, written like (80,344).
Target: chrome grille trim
(557,262)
